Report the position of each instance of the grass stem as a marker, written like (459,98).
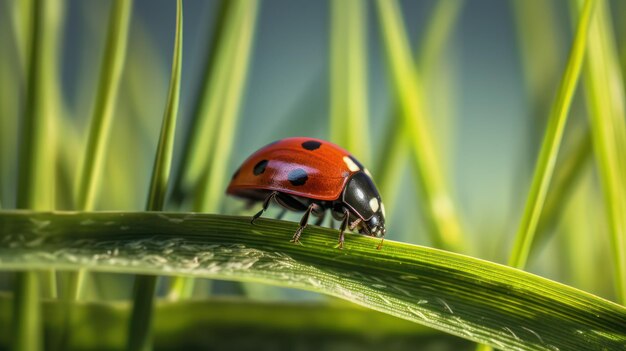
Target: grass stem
(607,104)
(348,78)
(444,225)
(551,143)
(140,328)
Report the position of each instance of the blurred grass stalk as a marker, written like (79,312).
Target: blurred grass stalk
(37,155)
(540,45)
(551,143)
(394,153)
(444,225)
(140,328)
(349,124)
(606,103)
(106,98)
(101,120)
(218,118)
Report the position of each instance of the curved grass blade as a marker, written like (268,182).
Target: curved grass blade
(106,96)
(606,101)
(140,329)
(551,143)
(474,299)
(349,125)
(445,228)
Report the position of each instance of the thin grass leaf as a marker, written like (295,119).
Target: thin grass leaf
(606,101)
(474,299)
(445,229)
(348,77)
(212,182)
(106,96)
(551,143)
(394,152)
(36,163)
(224,99)
(140,328)
(26,321)
(201,135)
(540,46)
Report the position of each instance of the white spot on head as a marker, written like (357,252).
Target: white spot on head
(351,165)
(374,204)
(382,208)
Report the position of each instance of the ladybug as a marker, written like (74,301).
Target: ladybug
(312,175)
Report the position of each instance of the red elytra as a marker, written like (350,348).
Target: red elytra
(326,167)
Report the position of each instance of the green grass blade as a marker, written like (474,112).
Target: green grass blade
(541,50)
(35,170)
(36,162)
(206,323)
(212,182)
(225,95)
(551,143)
(445,229)
(349,125)
(474,299)
(163,158)
(106,96)
(140,328)
(606,101)
(201,135)
(394,152)
(27,329)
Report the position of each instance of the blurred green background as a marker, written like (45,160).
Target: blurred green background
(489,88)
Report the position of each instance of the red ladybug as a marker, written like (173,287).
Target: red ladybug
(312,175)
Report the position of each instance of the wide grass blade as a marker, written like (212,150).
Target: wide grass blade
(474,299)
(106,96)
(349,125)
(444,225)
(551,143)
(606,101)
(140,329)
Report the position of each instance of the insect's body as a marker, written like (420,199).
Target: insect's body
(312,175)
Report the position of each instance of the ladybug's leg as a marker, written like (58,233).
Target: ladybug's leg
(355,223)
(266,204)
(303,223)
(342,227)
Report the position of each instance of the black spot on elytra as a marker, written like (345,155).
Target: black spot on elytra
(297,177)
(259,168)
(311,145)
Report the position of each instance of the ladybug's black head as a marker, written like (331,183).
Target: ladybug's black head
(361,196)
